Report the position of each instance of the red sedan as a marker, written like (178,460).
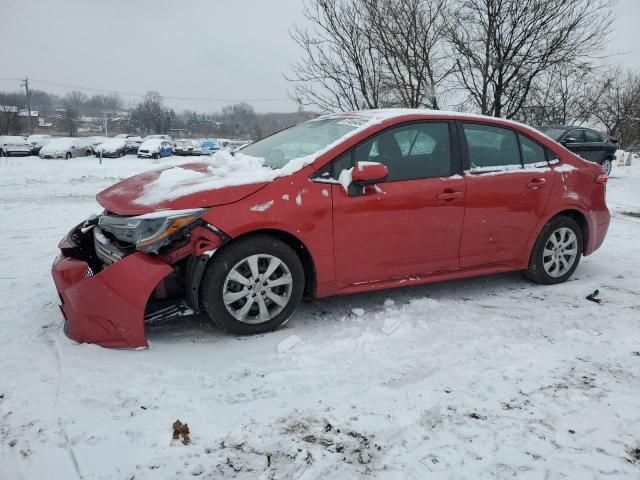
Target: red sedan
(343,203)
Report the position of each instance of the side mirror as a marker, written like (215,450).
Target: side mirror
(368,173)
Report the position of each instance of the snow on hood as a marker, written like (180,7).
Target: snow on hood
(112,145)
(225,170)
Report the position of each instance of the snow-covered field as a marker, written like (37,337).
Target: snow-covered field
(483,378)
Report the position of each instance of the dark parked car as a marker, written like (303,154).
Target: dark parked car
(589,144)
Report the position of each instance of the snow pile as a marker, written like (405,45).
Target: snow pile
(225,170)
(228,170)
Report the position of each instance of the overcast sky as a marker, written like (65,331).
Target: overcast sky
(223,49)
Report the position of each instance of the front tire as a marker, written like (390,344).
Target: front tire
(556,254)
(67,156)
(253,286)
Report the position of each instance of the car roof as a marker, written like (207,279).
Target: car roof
(398,114)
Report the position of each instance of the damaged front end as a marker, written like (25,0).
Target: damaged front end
(114,273)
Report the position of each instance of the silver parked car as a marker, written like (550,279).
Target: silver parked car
(67,147)
(14,146)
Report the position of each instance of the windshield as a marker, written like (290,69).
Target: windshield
(553,132)
(304,139)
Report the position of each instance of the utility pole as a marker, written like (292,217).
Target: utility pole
(25,84)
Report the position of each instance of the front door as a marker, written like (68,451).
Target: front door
(504,200)
(409,225)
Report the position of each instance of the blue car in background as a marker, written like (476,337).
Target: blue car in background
(210,146)
(155,148)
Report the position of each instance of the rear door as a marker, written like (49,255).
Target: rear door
(504,200)
(575,141)
(409,225)
(594,146)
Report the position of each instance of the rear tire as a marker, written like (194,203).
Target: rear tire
(607,165)
(67,156)
(235,291)
(556,253)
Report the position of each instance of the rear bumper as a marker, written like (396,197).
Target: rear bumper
(598,230)
(107,308)
(18,153)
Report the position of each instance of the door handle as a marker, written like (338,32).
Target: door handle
(449,195)
(536,183)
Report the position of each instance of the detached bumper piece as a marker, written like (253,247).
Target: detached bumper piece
(108,307)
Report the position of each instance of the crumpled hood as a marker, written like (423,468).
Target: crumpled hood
(193,185)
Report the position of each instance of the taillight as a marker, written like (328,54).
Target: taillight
(601,178)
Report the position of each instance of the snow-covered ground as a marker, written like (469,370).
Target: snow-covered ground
(483,378)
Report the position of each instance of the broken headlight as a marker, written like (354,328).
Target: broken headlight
(151,231)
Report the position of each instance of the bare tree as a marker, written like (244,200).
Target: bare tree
(619,107)
(73,103)
(341,68)
(10,119)
(409,35)
(500,47)
(564,96)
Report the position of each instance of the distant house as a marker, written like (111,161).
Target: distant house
(15,120)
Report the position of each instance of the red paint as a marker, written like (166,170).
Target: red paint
(108,308)
(395,234)
(370,173)
(121,197)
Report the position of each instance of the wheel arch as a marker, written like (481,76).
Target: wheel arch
(295,244)
(580,219)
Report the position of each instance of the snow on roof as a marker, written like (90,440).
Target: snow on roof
(13,139)
(152,143)
(111,145)
(58,144)
(383,114)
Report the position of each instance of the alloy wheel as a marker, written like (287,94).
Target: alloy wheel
(257,288)
(560,252)
(607,166)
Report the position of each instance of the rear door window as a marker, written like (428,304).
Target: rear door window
(491,148)
(532,152)
(592,136)
(577,135)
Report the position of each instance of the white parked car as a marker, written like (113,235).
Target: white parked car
(66,148)
(155,148)
(11,145)
(37,142)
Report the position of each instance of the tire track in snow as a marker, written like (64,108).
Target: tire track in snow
(53,344)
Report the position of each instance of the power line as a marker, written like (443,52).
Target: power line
(25,84)
(167,97)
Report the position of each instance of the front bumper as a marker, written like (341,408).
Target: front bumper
(107,308)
